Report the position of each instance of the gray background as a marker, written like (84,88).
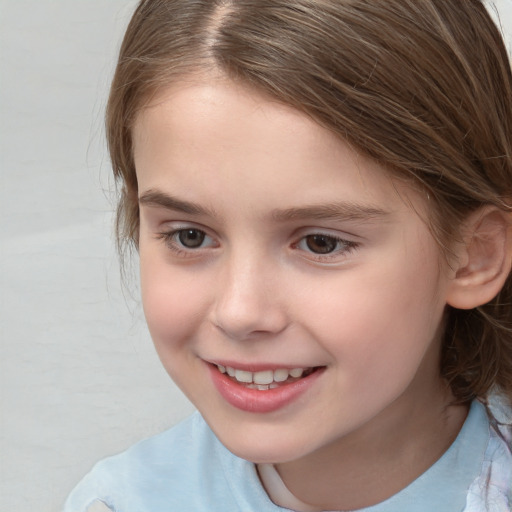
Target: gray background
(79,377)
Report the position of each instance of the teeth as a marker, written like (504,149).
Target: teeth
(280,375)
(262,380)
(259,387)
(243,376)
(265,377)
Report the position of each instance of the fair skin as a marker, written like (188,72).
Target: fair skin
(267,243)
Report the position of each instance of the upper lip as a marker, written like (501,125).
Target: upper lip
(258,367)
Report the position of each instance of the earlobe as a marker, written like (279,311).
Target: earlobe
(484,259)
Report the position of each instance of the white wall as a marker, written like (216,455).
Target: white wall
(79,378)
(502,12)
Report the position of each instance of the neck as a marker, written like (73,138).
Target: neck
(380,459)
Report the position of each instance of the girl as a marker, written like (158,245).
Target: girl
(320,192)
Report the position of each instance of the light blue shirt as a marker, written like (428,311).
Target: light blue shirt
(187,469)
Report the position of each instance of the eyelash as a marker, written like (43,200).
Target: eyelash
(171,241)
(343,246)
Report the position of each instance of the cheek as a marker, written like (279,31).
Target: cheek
(173,302)
(381,321)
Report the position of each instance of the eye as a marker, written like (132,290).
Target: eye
(322,246)
(187,240)
(191,238)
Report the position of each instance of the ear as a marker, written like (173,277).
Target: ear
(484,259)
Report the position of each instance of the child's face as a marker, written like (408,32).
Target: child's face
(267,244)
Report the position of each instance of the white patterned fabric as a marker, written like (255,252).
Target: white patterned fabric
(98,506)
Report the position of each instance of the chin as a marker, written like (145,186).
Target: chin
(262,449)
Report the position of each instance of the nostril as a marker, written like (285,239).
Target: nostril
(242,323)
(247,305)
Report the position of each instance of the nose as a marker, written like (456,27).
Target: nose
(247,303)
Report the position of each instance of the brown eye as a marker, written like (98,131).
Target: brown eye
(321,244)
(191,238)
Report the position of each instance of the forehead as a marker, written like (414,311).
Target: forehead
(217,137)
(219,110)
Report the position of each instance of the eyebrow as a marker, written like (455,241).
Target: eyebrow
(343,211)
(160,199)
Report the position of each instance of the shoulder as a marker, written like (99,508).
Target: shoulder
(163,469)
(162,453)
(491,491)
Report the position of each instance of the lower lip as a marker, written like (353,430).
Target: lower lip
(253,400)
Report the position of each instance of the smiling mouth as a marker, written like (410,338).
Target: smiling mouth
(265,379)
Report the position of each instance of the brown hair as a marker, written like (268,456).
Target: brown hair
(422,86)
